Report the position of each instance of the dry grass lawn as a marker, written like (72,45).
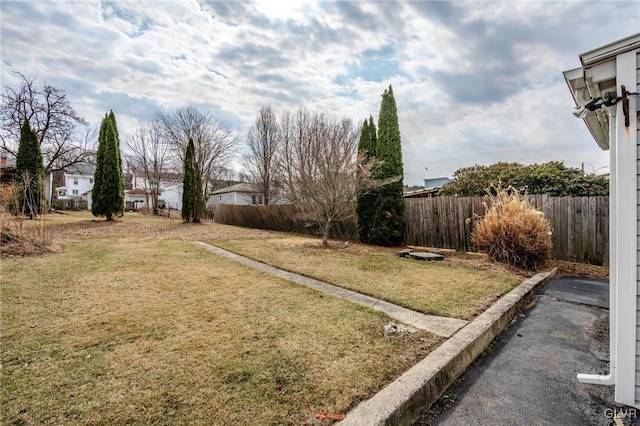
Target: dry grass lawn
(129,323)
(462,286)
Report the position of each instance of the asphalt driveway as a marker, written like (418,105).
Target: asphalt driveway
(528,376)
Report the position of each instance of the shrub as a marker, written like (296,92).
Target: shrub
(18,238)
(514,232)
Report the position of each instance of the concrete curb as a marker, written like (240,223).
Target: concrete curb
(403,401)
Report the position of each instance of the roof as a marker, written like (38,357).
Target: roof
(609,51)
(596,77)
(421,193)
(136,191)
(239,187)
(81,169)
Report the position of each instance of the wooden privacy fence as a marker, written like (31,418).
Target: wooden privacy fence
(284,218)
(580,224)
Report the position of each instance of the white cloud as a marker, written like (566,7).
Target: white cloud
(475,82)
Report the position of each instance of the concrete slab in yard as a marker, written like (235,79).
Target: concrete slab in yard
(419,255)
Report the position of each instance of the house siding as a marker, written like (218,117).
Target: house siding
(75,187)
(637,383)
(233,198)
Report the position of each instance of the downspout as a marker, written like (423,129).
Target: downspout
(609,379)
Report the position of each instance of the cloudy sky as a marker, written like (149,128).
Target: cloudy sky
(475,82)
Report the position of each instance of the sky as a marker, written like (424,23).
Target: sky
(474,82)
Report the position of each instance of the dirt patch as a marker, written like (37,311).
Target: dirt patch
(580,269)
(482,261)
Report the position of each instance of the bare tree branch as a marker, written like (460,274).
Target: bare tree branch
(214,141)
(149,154)
(317,164)
(263,141)
(52,118)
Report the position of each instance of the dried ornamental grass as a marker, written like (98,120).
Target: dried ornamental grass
(18,238)
(514,232)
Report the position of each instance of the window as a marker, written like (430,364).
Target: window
(256,199)
(90,180)
(220,198)
(74,192)
(75,181)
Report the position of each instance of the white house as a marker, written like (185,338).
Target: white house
(135,198)
(170,191)
(241,194)
(605,89)
(77,183)
(171,194)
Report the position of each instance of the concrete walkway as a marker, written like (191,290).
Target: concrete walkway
(441,326)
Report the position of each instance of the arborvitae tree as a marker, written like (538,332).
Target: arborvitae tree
(192,202)
(29,173)
(388,226)
(112,117)
(366,202)
(96,191)
(108,188)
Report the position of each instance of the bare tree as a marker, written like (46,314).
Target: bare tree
(262,145)
(52,118)
(214,141)
(149,154)
(317,164)
(228,177)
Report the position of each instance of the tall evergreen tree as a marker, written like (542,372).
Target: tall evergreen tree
(192,202)
(108,186)
(112,117)
(366,201)
(388,226)
(29,172)
(96,191)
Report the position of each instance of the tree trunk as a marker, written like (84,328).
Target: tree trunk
(154,201)
(325,233)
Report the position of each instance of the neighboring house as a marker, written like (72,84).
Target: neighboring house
(431,188)
(171,194)
(422,193)
(170,191)
(605,75)
(7,177)
(77,183)
(7,169)
(241,194)
(135,198)
(436,183)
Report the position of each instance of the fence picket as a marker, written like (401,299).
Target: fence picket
(580,224)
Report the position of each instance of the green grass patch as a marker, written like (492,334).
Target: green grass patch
(128,324)
(457,287)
